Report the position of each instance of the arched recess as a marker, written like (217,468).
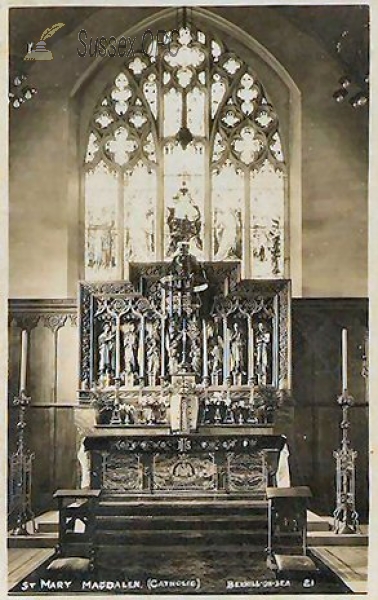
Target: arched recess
(279,89)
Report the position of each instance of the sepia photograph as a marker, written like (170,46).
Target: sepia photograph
(188,299)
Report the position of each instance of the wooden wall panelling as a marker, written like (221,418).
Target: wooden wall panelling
(359,435)
(40,441)
(66,469)
(67,362)
(51,383)
(41,367)
(51,435)
(327,441)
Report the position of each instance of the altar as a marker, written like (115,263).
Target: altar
(215,463)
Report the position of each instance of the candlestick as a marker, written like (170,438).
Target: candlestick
(21,472)
(344,349)
(24,358)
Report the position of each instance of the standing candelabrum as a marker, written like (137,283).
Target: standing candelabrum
(20,471)
(345,516)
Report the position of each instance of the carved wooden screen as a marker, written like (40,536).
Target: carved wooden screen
(184,145)
(239,341)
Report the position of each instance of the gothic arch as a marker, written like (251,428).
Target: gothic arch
(88,88)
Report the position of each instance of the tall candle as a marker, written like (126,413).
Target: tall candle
(118,349)
(141,349)
(225,351)
(162,348)
(205,358)
(344,351)
(250,352)
(24,359)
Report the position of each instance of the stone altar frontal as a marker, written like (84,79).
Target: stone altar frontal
(194,464)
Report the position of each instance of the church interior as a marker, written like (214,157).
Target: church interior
(188,299)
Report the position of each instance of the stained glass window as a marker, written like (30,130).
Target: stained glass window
(184,144)
(101,188)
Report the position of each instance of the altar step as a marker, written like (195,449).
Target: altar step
(319,528)
(174,507)
(181,523)
(206,522)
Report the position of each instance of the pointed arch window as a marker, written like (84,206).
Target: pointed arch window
(184,144)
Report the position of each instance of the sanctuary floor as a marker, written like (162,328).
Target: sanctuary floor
(342,562)
(215,570)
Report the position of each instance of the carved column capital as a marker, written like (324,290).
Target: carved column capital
(54,321)
(26,321)
(73,319)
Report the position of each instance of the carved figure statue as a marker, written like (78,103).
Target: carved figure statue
(184,220)
(106,347)
(129,351)
(216,361)
(262,344)
(195,355)
(236,348)
(153,359)
(173,356)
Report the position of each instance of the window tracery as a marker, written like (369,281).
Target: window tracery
(184,144)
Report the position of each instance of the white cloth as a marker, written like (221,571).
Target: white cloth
(84,461)
(283,470)
(175,410)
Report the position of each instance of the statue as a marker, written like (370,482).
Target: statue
(262,343)
(184,220)
(195,355)
(106,348)
(185,272)
(173,356)
(153,359)
(216,361)
(129,352)
(237,354)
